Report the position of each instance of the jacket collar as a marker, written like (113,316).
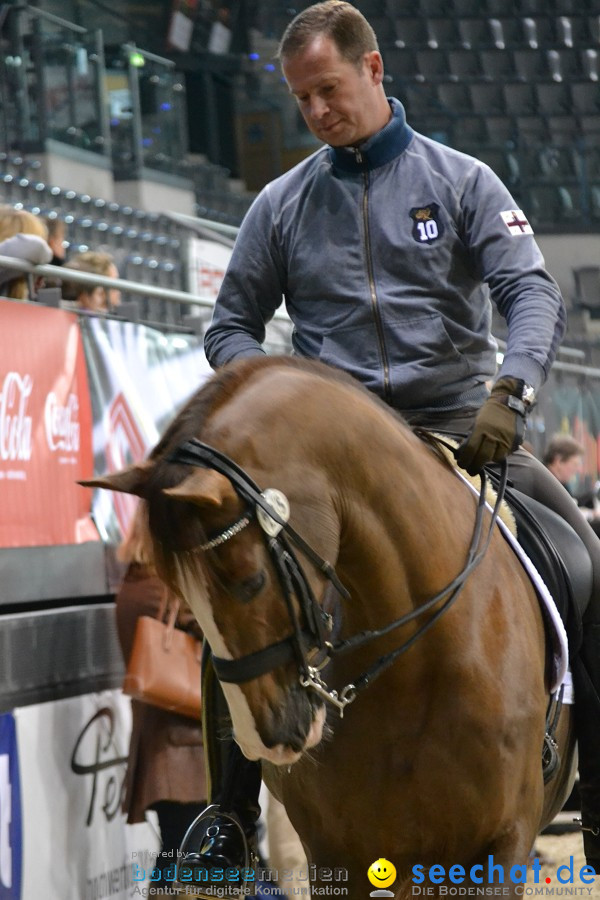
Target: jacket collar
(379,149)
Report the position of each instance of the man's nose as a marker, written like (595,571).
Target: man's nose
(318,108)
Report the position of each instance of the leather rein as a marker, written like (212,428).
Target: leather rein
(310,645)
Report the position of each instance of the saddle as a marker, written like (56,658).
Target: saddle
(559,555)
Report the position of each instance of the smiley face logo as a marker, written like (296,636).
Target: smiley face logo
(382,873)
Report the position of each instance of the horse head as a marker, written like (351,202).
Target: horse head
(220,543)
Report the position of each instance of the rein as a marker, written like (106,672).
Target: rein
(279,535)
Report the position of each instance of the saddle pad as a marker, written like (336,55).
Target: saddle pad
(555,629)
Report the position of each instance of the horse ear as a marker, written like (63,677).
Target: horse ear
(204,487)
(131,480)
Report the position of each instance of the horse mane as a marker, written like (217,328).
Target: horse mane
(175,528)
(436,443)
(225,383)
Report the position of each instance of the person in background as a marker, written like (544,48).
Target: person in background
(165,768)
(57,232)
(22,236)
(564,458)
(83,296)
(389,249)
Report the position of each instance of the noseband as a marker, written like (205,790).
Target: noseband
(310,646)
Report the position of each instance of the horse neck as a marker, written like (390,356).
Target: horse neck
(398,508)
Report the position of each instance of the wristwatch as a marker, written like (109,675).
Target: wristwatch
(522,402)
(528,396)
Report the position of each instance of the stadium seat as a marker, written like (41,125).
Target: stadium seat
(501,129)
(400,63)
(384,29)
(476,33)
(585,97)
(551,204)
(507,31)
(556,163)
(531,64)
(519,99)
(443,32)
(470,129)
(497,64)
(502,162)
(464,63)
(591,160)
(432,64)
(455,96)
(411,32)
(566,63)
(538,31)
(421,99)
(465,7)
(587,286)
(590,64)
(553,98)
(595,203)
(487,98)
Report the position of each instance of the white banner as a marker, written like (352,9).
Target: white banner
(207,262)
(72,760)
(139,379)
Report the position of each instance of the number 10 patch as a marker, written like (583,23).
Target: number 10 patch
(427,227)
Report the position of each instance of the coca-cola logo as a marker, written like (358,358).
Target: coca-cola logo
(15,425)
(62,423)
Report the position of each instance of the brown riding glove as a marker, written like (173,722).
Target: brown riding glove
(498,429)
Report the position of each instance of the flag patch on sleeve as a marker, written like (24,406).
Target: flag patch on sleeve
(516,221)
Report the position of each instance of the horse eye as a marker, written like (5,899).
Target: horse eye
(248,588)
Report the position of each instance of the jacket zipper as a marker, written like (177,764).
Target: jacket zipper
(374,302)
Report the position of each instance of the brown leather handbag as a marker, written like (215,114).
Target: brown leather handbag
(164,665)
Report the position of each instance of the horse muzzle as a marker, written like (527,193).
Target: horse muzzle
(284,734)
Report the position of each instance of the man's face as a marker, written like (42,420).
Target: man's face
(341,102)
(566,469)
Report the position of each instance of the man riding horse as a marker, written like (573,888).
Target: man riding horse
(387,247)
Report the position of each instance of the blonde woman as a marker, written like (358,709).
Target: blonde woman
(22,236)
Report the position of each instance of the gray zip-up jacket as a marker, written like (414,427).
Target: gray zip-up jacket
(382,255)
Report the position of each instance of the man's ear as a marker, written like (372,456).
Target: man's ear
(375,66)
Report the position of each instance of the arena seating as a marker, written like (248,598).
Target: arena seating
(506,80)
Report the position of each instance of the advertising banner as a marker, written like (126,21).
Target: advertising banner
(45,428)
(139,379)
(76,843)
(208,261)
(11,836)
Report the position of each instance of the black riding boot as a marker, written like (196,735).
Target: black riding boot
(586,678)
(224,836)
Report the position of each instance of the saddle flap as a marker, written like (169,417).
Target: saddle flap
(559,555)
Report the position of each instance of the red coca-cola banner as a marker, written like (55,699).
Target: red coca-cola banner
(45,428)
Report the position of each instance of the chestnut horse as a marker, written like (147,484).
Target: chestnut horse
(438,759)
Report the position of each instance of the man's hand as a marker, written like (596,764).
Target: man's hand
(498,428)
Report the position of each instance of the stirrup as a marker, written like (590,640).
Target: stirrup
(196,890)
(550,757)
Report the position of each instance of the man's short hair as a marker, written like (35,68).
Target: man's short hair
(343,23)
(562,447)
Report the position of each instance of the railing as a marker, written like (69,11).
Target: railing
(194,311)
(51,83)
(147,113)
(55,83)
